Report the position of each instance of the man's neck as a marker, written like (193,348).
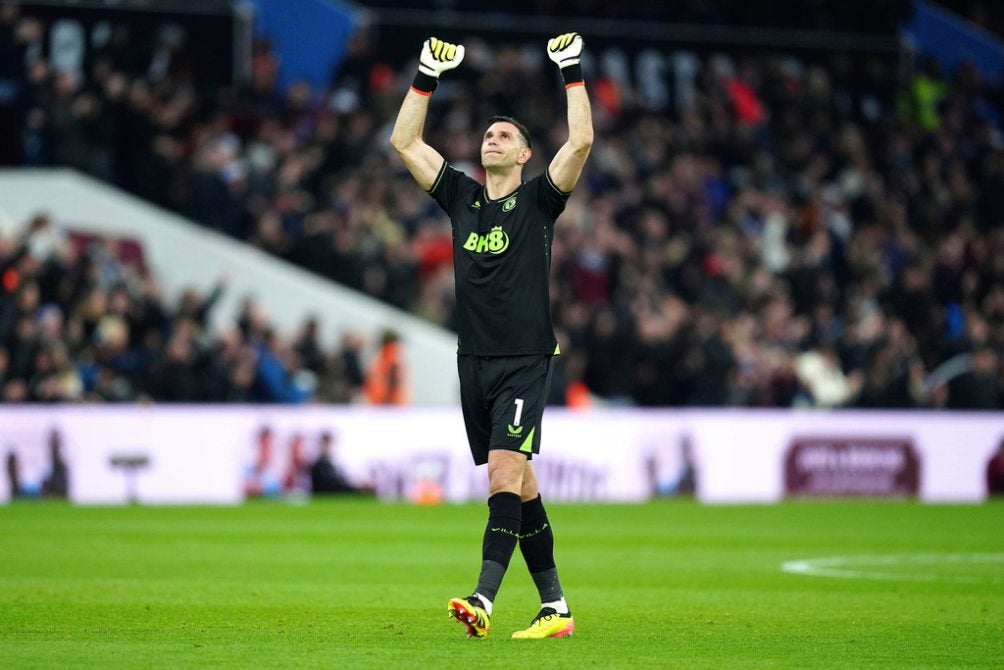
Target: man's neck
(499,184)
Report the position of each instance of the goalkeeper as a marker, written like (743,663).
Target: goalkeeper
(502,234)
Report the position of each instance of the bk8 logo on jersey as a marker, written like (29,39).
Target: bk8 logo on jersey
(495,242)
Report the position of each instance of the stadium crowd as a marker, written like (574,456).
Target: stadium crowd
(82,322)
(782,232)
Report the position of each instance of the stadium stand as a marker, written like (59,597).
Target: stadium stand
(82,319)
(788,232)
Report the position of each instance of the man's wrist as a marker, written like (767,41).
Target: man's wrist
(424,84)
(572,74)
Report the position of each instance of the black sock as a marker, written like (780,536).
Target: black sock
(501,536)
(536,541)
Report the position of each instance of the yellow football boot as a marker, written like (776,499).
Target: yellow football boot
(470,612)
(548,623)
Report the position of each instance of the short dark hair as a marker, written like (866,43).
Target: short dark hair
(519,126)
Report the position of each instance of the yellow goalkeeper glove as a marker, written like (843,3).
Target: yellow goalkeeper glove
(437,57)
(566,51)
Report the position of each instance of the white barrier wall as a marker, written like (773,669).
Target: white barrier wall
(742,454)
(202,454)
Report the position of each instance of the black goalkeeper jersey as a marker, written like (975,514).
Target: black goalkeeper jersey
(502,262)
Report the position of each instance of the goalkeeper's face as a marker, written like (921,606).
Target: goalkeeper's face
(503,147)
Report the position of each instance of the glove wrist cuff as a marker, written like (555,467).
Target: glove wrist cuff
(572,74)
(424,83)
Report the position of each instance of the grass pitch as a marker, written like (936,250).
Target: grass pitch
(360,584)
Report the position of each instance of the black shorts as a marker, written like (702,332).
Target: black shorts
(503,400)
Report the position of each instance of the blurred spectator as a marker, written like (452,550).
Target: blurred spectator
(325,476)
(57,480)
(296,481)
(386,378)
(13,471)
(995,472)
(260,478)
(980,387)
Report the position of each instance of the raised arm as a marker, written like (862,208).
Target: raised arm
(422,161)
(567,164)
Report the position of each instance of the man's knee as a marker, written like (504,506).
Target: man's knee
(505,471)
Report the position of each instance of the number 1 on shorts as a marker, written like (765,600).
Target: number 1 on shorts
(519,411)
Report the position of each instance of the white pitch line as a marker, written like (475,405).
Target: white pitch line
(864,567)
